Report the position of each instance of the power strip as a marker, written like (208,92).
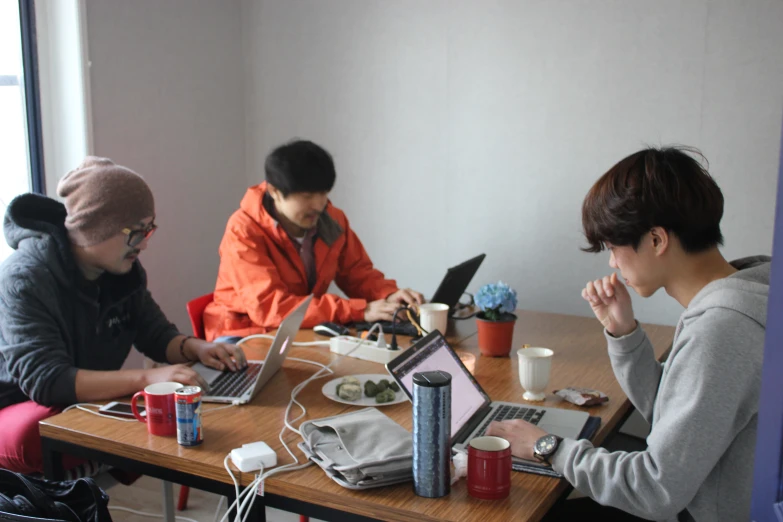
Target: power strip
(368,351)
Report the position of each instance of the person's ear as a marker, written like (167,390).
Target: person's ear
(660,240)
(276,194)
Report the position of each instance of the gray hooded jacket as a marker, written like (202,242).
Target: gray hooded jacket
(53,321)
(702,405)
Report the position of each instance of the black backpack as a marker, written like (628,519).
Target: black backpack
(28,499)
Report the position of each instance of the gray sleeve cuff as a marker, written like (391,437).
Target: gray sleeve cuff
(560,459)
(627,343)
(62,390)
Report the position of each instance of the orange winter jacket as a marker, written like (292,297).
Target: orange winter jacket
(262,278)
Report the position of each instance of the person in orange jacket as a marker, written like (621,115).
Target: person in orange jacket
(288,241)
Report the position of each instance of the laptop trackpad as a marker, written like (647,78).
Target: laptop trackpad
(209,374)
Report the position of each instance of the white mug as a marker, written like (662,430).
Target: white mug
(434,316)
(535,364)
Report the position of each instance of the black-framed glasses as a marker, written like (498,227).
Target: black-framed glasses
(140,234)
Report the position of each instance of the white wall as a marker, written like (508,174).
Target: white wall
(458,127)
(461,127)
(167,100)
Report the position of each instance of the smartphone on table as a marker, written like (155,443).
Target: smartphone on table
(120,409)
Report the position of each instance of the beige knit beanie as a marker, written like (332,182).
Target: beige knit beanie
(101,199)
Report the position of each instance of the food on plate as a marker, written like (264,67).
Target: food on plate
(349,389)
(370,388)
(386,395)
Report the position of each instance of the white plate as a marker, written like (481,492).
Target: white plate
(330,387)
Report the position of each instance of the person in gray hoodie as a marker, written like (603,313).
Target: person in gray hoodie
(658,213)
(74,298)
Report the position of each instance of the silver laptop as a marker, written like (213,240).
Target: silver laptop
(242,386)
(471,408)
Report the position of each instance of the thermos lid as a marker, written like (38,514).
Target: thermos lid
(434,379)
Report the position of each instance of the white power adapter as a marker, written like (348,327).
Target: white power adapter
(253,456)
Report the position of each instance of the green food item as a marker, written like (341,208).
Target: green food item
(349,391)
(370,389)
(386,395)
(394,386)
(383,384)
(353,380)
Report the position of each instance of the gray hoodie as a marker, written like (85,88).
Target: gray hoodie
(702,405)
(53,321)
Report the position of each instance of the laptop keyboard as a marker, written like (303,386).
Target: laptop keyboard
(234,384)
(507,412)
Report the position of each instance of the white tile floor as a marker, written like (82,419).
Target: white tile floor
(146,495)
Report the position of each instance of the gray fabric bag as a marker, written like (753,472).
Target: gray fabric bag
(359,450)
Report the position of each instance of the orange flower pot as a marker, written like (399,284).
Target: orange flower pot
(495,338)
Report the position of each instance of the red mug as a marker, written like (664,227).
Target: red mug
(161,414)
(489,468)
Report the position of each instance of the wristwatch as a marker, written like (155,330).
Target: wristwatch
(545,447)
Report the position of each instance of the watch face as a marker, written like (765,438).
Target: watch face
(546,445)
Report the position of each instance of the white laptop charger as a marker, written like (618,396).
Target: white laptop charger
(253,456)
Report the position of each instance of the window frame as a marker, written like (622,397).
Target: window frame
(32,99)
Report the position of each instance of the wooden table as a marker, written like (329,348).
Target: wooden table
(580,360)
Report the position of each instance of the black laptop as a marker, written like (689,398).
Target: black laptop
(449,291)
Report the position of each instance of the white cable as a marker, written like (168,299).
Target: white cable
(80,406)
(251,489)
(304,383)
(217,509)
(240,499)
(153,515)
(219,408)
(251,497)
(293,396)
(236,487)
(267,336)
(286,425)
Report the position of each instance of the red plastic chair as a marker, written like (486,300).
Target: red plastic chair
(195,310)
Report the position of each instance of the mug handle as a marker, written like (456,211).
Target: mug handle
(135,408)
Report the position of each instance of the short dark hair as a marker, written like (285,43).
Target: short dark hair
(664,187)
(300,166)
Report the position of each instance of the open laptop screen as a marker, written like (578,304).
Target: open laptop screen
(433,353)
(456,282)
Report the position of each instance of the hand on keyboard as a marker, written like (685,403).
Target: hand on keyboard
(406,296)
(521,434)
(380,310)
(235,384)
(180,373)
(215,355)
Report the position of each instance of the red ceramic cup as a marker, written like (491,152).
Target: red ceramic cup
(161,415)
(489,468)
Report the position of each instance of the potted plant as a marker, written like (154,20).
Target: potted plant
(497,302)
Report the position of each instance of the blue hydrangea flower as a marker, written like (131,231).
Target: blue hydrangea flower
(495,299)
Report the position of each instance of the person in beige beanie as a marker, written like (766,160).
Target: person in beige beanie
(107,206)
(102,198)
(74,299)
